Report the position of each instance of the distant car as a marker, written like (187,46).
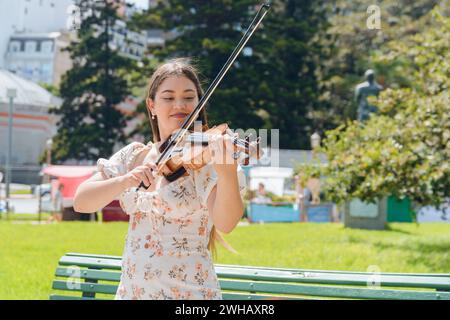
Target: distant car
(3,207)
(46,203)
(43,188)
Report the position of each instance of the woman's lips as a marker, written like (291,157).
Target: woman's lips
(179,115)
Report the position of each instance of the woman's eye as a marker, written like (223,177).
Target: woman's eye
(189,98)
(168,99)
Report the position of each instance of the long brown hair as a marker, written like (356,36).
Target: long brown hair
(182,67)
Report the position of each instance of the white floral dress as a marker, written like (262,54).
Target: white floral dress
(165,254)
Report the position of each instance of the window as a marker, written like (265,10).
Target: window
(46,69)
(47,46)
(27,70)
(30,46)
(14,46)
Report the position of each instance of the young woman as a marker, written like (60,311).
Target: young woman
(170,241)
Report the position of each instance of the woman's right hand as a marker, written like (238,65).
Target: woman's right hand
(145,173)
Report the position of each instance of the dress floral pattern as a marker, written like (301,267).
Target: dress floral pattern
(165,254)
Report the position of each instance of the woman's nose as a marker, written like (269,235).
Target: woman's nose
(180,104)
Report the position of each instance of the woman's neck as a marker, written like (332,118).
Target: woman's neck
(163,138)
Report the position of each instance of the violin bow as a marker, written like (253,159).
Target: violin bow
(175,139)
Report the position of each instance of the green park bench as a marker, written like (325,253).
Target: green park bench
(96,277)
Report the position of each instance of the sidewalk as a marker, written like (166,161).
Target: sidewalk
(12,188)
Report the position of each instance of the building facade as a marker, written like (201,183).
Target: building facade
(39,57)
(30,16)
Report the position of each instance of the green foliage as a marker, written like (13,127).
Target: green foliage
(404,150)
(285,198)
(275,86)
(90,124)
(50,88)
(347,46)
(250,194)
(306,171)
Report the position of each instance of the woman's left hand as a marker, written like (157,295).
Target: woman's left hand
(222,151)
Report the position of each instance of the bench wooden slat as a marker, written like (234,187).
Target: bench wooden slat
(60,297)
(243,296)
(334,271)
(90,255)
(98,263)
(342,279)
(330,291)
(84,287)
(88,274)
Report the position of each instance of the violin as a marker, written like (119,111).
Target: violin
(195,153)
(177,152)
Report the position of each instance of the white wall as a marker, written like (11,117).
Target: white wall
(273,178)
(29,136)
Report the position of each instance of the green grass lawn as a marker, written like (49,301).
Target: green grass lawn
(29,252)
(21,191)
(15,217)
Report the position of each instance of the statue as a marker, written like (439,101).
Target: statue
(364,90)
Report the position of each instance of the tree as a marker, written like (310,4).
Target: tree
(347,45)
(272,84)
(90,124)
(404,150)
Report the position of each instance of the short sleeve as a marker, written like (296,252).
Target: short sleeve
(206,179)
(119,163)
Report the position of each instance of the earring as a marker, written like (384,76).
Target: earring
(153,116)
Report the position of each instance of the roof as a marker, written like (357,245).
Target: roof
(271,172)
(48,35)
(69,171)
(28,92)
(70,177)
(288,158)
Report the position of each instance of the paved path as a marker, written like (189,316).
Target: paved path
(25,205)
(22,203)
